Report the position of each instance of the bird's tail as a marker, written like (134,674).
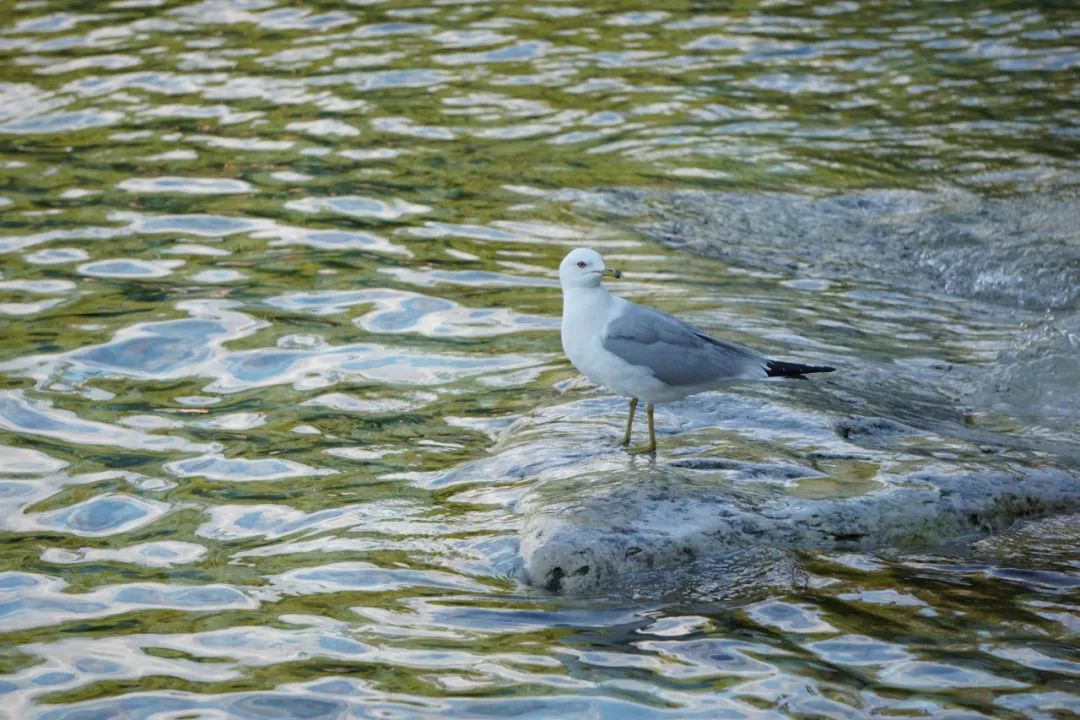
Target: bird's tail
(776,368)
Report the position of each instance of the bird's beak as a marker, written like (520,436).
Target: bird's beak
(612,272)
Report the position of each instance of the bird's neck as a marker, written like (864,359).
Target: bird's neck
(597,299)
(585,312)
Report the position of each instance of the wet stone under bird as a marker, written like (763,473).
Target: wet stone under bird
(287,427)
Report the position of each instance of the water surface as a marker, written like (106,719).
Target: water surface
(281,376)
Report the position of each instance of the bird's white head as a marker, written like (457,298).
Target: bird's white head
(583,268)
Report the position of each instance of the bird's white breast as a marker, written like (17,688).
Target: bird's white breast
(586,313)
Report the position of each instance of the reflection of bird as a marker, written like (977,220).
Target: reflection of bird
(645,354)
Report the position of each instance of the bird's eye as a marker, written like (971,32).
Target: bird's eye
(581,263)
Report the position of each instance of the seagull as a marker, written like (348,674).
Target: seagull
(645,354)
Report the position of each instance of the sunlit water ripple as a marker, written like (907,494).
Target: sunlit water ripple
(285,423)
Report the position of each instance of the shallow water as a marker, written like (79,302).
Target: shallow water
(283,396)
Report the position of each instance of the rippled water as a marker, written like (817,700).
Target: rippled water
(285,424)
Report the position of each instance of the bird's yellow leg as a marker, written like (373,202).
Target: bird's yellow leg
(649,449)
(630,421)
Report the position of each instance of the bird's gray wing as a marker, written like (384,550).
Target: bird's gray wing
(676,353)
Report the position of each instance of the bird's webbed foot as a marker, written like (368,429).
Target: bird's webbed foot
(649,449)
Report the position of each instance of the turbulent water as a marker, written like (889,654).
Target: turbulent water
(285,425)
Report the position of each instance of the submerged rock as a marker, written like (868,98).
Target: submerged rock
(953,414)
(705,519)
(600,541)
(1020,252)
(1013,262)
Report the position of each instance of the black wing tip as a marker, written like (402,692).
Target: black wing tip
(776,368)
